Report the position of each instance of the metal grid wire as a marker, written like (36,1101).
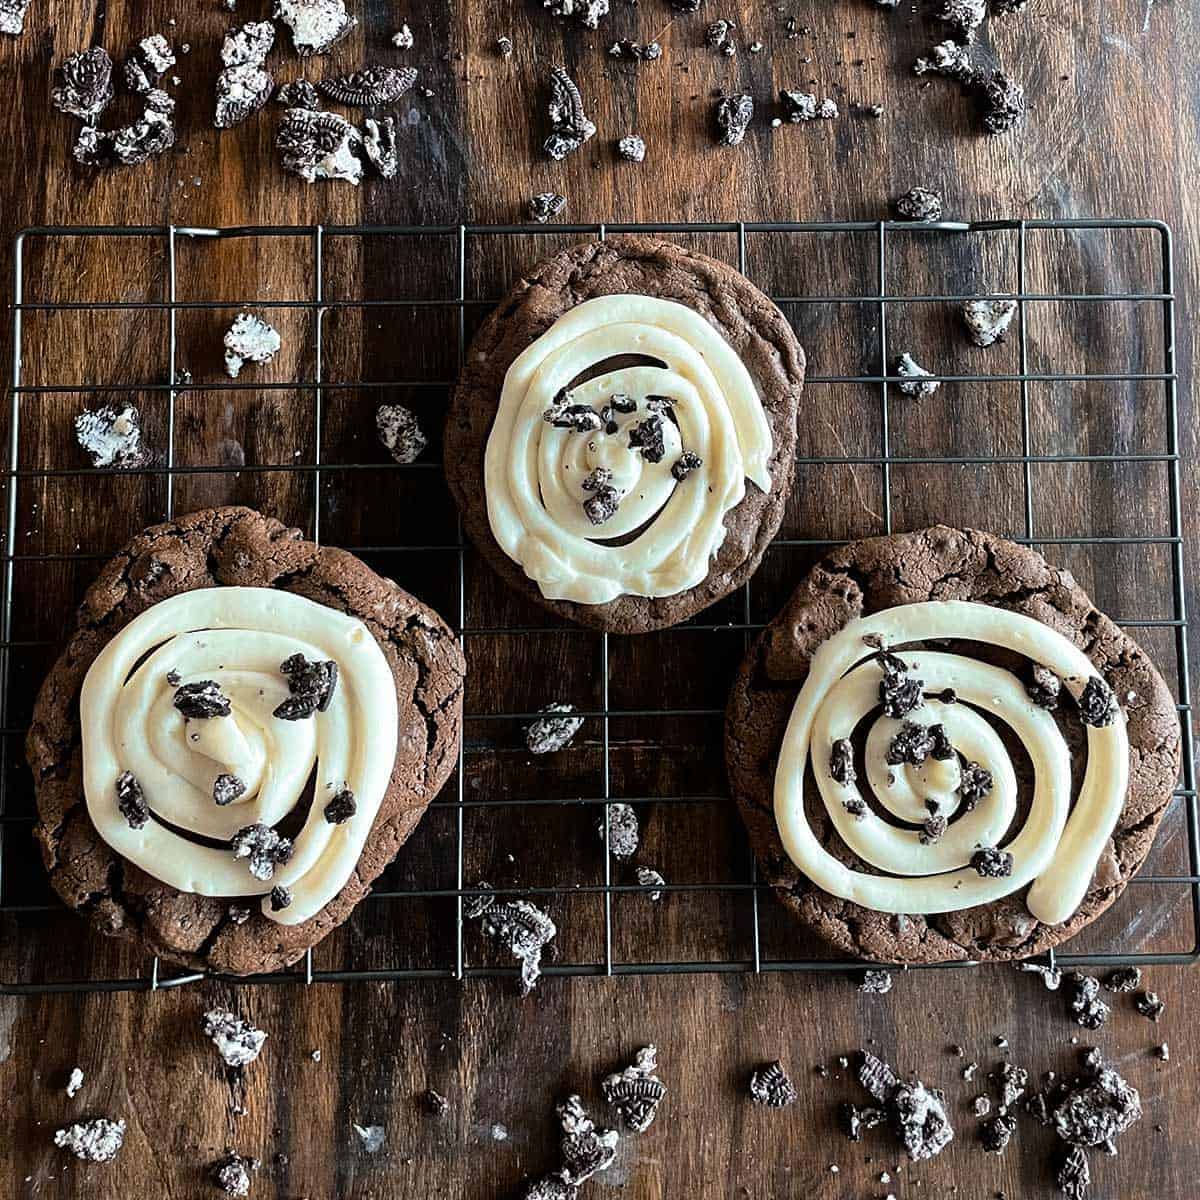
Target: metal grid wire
(749,889)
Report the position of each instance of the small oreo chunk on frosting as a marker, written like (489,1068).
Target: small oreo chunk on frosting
(312,685)
(202,700)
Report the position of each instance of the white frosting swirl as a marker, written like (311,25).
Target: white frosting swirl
(534,473)
(238,637)
(1056,850)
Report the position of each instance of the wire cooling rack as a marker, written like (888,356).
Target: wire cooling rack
(879,292)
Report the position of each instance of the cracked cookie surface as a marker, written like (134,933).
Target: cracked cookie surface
(228,547)
(943,564)
(747,319)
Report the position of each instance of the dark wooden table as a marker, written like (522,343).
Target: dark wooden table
(1112,132)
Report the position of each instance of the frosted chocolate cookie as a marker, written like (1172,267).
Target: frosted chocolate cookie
(943,751)
(242,731)
(620,442)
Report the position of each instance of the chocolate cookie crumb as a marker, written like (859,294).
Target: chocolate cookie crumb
(933,829)
(239,914)
(263,847)
(585,1149)
(545,206)
(1097,704)
(1051,976)
(403,38)
(202,701)
(112,437)
(964,16)
(98,1140)
(370,86)
(854,1120)
(550,1187)
(685,464)
(876,982)
(636,1092)
(371,1136)
(317,25)
(241,91)
(1163,1052)
(975,782)
(434,1103)
(637,51)
(12,16)
(915,381)
(569,126)
(992,862)
(504,46)
(733,115)
(918,204)
(913,744)
(148,62)
(281,898)
(1045,688)
(232,1174)
(1123,979)
(1149,1005)
(341,808)
(987,321)
(647,436)
(249,339)
(311,684)
(1074,1176)
(1001,103)
(379,145)
(587,12)
(227,788)
(475,906)
(319,146)
(981,1106)
(131,800)
(647,877)
(552,732)
(1084,1001)
(84,84)
(632,148)
(400,432)
(236,1040)
(527,931)
(74,1083)
(1011,1082)
(622,830)
(771,1086)
(841,762)
(299,94)
(899,692)
(996,1133)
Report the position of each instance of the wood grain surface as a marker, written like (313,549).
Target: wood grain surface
(1112,132)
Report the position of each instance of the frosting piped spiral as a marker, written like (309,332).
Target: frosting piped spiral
(203,723)
(656,454)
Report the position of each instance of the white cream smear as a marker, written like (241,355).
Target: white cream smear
(1056,850)
(238,637)
(534,473)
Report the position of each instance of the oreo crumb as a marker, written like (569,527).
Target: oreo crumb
(1123,979)
(74,1083)
(1097,704)
(232,1174)
(876,982)
(771,1086)
(148,62)
(12,16)
(1084,1001)
(963,16)
(1051,976)
(241,91)
(526,930)
(647,436)
(545,206)
(1001,103)
(579,418)
(84,84)
(299,94)
(1045,688)
(311,685)
(400,433)
(636,1092)
(686,6)
(1094,1108)
(504,47)
(854,1120)
(587,12)
(685,464)
(317,25)
(918,204)
(236,1040)
(569,125)
(987,321)
(371,1136)
(981,1106)
(647,877)
(98,1140)
(733,115)
(552,732)
(899,693)
(997,1132)
(602,505)
(239,914)
(249,44)
(632,148)
(933,829)
(636,51)
(913,744)
(585,1149)
(622,830)
(227,788)
(262,847)
(403,38)
(112,437)
(1163,1052)
(915,379)
(992,862)
(249,339)
(974,783)
(1074,1176)
(341,808)
(950,60)
(800,107)
(202,701)
(318,145)
(970,1070)
(281,898)
(1149,1005)
(550,1187)
(475,906)
(841,762)
(1011,1082)
(370,86)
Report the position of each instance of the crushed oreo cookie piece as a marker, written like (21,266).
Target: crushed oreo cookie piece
(877,1077)
(569,125)
(685,464)
(239,914)
(403,38)
(771,1086)
(579,418)
(12,16)
(148,61)
(341,808)
(84,84)
(1094,1108)
(635,51)
(899,692)
(311,683)
(992,863)
(553,730)
(1149,1005)
(799,107)
(232,1174)
(112,437)
(585,1149)
(974,783)
(1045,688)
(622,830)
(318,145)
(950,60)
(379,145)
(915,380)
(1008,7)
(687,7)
(600,477)
(131,801)
(918,204)
(299,94)
(647,436)
(636,1092)
(317,25)
(371,1136)
(987,321)
(1162,1052)
(855,1119)
(876,982)
(368,87)
(602,505)
(841,762)
(1097,704)
(587,12)
(249,339)
(227,788)
(1074,1176)
(733,115)
(1001,102)
(263,847)
(632,148)
(475,906)
(981,1106)
(1010,1082)
(98,1140)
(504,46)
(434,1103)
(964,16)
(146,138)
(545,206)
(202,700)
(719,34)
(74,1083)
(550,1187)
(913,744)
(1084,1003)
(241,91)
(237,1041)
(996,1132)
(526,930)
(400,432)
(933,829)
(281,898)
(1123,979)
(647,877)
(1051,976)
(248,45)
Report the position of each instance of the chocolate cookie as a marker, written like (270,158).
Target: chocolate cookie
(744,319)
(1075,710)
(165,568)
